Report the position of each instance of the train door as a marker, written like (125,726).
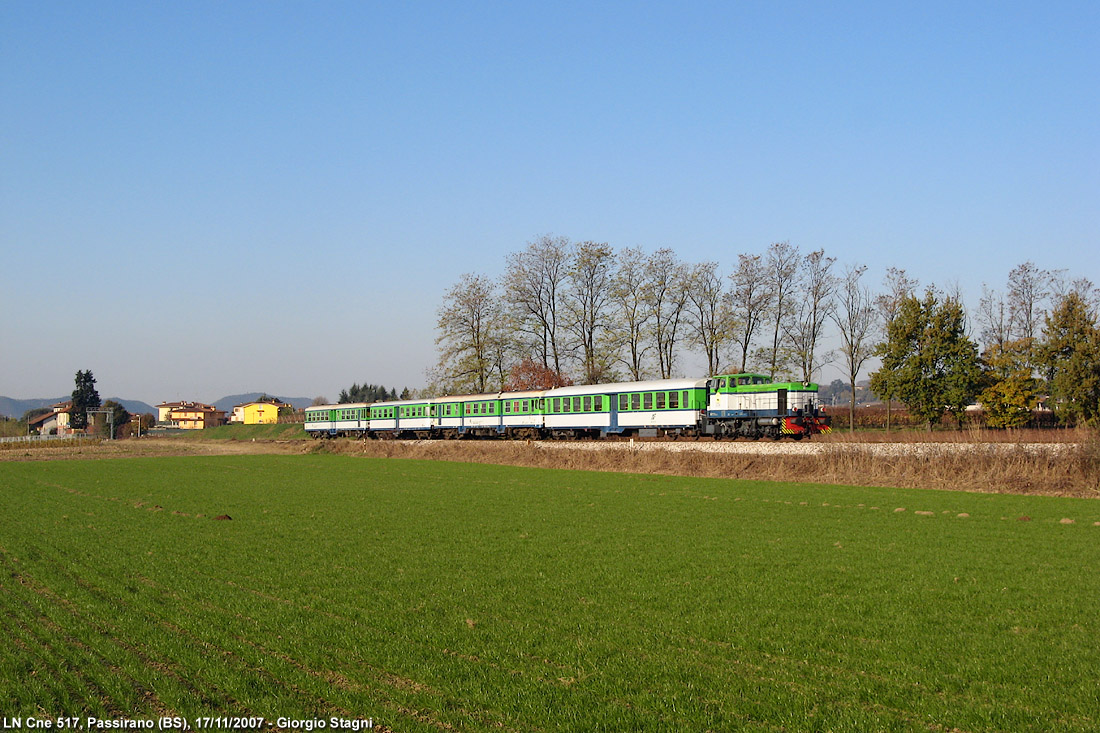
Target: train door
(781,398)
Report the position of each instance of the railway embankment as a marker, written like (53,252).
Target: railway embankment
(1069,468)
(1052,469)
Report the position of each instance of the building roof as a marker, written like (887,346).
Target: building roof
(42,418)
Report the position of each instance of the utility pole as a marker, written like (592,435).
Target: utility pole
(110,420)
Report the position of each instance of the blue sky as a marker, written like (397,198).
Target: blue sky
(197,199)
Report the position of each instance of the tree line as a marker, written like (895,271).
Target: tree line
(584,312)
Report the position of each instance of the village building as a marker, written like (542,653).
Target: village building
(189,415)
(54,422)
(259,412)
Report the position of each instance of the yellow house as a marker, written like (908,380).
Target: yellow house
(258,413)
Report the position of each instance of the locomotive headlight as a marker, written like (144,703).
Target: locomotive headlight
(775,421)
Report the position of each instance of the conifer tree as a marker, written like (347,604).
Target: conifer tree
(1069,357)
(85,397)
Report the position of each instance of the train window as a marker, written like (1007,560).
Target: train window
(576,404)
(647,401)
(555,406)
(527,405)
(673,400)
(492,408)
(742,380)
(508,407)
(635,402)
(686,403)
(622,402)
(588,404)
(660,400)
(597,403)
(566,404)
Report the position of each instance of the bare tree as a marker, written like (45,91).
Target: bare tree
(855,319)
(666,296)
(588,308)
(709,312)
(533,284)
(1086,290)
(812,309)
(749,302)
(469,335)
(993,319)
(781,265)
(898,287)
(1028,293)
(628,289)
(1028,290)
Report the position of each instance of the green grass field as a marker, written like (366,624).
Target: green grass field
(430,595)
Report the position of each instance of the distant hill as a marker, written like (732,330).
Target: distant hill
(228,403)
(134,407)
(17,408)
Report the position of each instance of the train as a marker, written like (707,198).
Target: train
(722,407)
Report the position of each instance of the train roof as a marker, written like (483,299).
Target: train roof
(400,403)
(467,397)
(339,406)
(657,385)
(523,395)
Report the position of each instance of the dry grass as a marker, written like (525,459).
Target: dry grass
(968,434)
(1074,471)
